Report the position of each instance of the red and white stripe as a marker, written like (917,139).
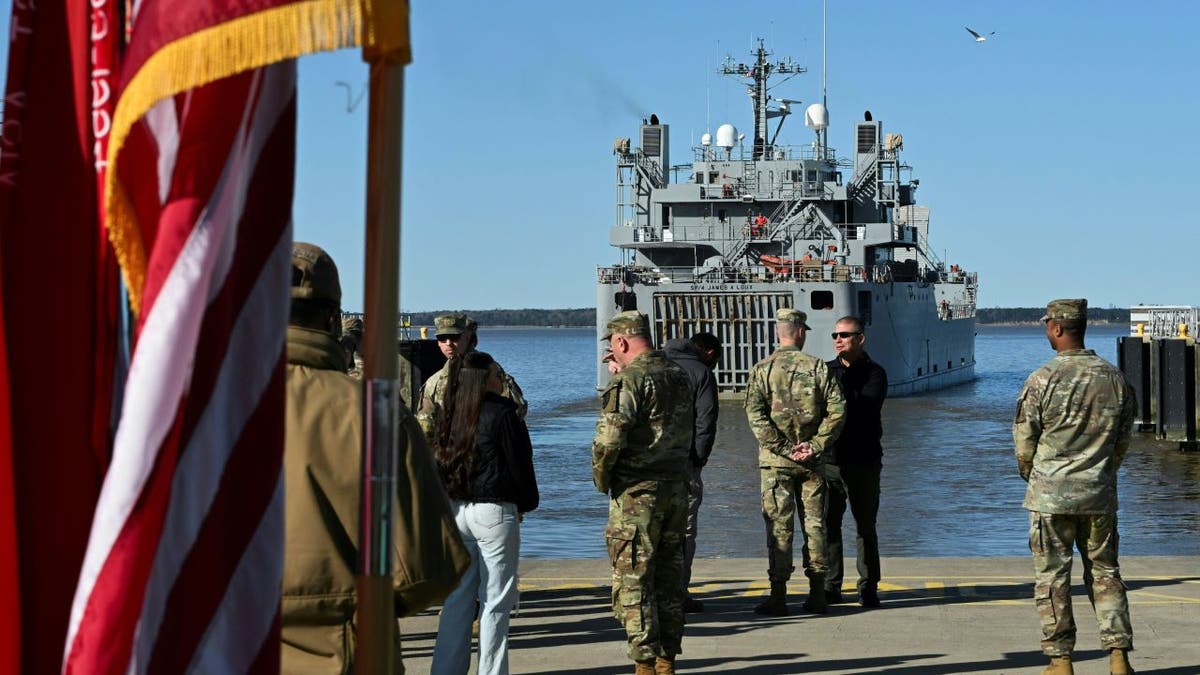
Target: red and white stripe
(185,559)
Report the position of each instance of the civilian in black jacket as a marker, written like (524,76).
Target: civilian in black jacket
(486,462)
(697,357)
(858,455)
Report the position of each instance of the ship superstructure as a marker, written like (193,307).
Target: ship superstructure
(751,225)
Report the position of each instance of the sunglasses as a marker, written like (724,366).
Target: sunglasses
(845,334)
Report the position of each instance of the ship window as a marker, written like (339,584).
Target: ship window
(918,372)
(811,176)
(935,367)
(949,365)
(821,299)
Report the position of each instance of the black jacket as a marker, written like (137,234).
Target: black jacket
(682,353)
(503,470)
(865,385)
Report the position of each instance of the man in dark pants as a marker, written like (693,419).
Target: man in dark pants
(697,357)
(858,456)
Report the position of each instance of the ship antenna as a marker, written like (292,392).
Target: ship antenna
(708,95)
(824,81)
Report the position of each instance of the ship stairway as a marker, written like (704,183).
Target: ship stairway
(813,222)
(749,177)
(649,172)
(865,187)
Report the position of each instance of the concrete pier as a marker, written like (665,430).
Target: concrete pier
(939,616)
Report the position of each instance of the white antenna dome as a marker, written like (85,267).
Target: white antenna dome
(727,135)
(816,117)
(706,140)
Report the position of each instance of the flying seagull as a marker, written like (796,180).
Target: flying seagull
(352,101)
(980,38)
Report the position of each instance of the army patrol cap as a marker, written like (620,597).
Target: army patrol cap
(629,323)
(352,325)
(314,276)
(1067,308)
(450,324)
(793,316)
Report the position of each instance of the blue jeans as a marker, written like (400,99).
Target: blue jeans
(492,534)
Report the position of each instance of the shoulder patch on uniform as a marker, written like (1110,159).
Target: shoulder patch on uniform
(610,401)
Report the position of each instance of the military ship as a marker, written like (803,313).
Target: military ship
(752,225)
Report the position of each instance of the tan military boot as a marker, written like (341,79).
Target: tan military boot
(664,665)
(1118,662)
(776,605)
(644,667)
(1059,665)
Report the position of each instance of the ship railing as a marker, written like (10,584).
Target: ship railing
(610,275)
(704,153)
(810,271)
(1163,321)
(949,311)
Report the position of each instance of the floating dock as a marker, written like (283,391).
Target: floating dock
(1159,359)
(939,616)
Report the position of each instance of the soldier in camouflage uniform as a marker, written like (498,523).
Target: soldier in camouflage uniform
(352,334)
(796,409)
(457,334)
(640,457)
(1074,417)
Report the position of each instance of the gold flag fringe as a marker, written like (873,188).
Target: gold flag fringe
(214,53)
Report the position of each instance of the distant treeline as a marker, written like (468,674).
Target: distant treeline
(586,316)
(516,317)
(1034,314)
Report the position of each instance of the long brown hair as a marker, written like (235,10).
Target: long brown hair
(465,387)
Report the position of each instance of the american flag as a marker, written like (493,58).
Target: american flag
(185,557)
(184,562)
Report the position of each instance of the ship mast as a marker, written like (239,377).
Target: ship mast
(760,72)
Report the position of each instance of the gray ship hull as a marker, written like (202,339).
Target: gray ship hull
(909,331)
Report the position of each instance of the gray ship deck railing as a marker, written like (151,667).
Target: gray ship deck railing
(709,154)
(880,274)
(1164,321)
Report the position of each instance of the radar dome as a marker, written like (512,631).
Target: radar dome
(816,117)
(706,140)
(726,136)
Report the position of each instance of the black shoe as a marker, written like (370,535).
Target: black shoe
(814,607)
(692,605)
(772,607)
(833,597)
(868,597)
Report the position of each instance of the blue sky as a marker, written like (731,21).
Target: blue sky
(1059,158)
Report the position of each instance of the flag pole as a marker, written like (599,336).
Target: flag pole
(376,603)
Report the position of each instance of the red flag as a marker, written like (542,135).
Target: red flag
(184,563)
(10,605)
(59,337)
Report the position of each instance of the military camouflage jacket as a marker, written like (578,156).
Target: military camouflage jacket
(792,397)
(1074,417)
(645,426)
(430,409)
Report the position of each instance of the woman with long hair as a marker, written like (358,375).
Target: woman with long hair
(486,462)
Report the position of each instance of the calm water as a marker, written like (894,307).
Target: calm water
(950,483)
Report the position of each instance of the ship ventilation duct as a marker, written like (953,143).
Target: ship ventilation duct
(656,145)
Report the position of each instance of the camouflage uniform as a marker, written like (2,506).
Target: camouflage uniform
(792,397)
(640,457)
(430,407)
(1074,416)
(352,334)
